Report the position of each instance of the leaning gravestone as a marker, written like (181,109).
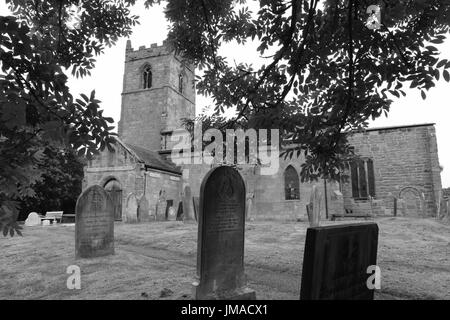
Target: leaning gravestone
(132,208)
(196,205)
(94,224)
(315,203)
(33,220)
(170,212)
(220,254)
(143,209)
(180,213)
(188,212)
(335,262)
(161,206)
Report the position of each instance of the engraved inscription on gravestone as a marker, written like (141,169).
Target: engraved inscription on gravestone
(335,262)
(220,255)
(94,224)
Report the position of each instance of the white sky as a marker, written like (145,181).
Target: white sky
(107,79)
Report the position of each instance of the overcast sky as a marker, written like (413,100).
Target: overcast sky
(107,79)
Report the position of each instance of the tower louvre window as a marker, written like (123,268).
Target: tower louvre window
(147,77)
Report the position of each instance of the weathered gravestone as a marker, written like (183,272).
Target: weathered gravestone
(132,208)
(170,212)
(180,213)
(143,209)
(314,207)
(250,197)
(161,206)
(188,211)
(335,262)
(220,253)
(32,220)
(196,205)
(94,224)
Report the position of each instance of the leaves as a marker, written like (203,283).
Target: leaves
(422,93)
(316,83)
(37,111)
(446,75)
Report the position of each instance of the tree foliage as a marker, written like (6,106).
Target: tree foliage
(326,74)
(59,186)
(38,44)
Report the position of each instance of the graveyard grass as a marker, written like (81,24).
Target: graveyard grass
(158,261)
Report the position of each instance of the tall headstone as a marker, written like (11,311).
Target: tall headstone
(132,208)
(180,213)
(161,206)
(94,224)
(144,209)
(220,254)
(336,261)
(32,220)
(196,205)
(170,211)
(315,203)
(249,209)
(188,210)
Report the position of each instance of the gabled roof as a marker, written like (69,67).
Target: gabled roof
(150,158)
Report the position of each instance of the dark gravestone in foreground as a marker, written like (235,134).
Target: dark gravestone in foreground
(220,254)
(335,262)
(94,224)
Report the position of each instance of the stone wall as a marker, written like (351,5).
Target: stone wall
(132,176)
(403,157)
(269,191)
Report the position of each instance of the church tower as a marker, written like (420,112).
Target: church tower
(158,91)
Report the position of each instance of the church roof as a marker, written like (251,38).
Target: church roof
(150,158)
(153,159)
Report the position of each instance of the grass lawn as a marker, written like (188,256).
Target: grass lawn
(158,261)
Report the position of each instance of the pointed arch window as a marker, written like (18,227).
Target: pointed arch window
(147,75)
(180,83)
(362,178)
(291,184)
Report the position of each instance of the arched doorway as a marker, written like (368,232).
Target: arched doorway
(114,189)
(412,202)
(291,184)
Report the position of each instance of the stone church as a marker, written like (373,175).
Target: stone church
(398,172)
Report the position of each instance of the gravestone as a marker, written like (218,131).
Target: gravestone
(220,253)
(314,208)
(196,205)
(170,215)
(335,262)
(132,208)
(161,206)
(143,209)
(94,224)
(188,211)
(32,220)
(180,213)
(250,197)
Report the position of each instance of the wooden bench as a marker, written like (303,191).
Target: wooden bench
(70,217)
(53,215)
(350,216)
